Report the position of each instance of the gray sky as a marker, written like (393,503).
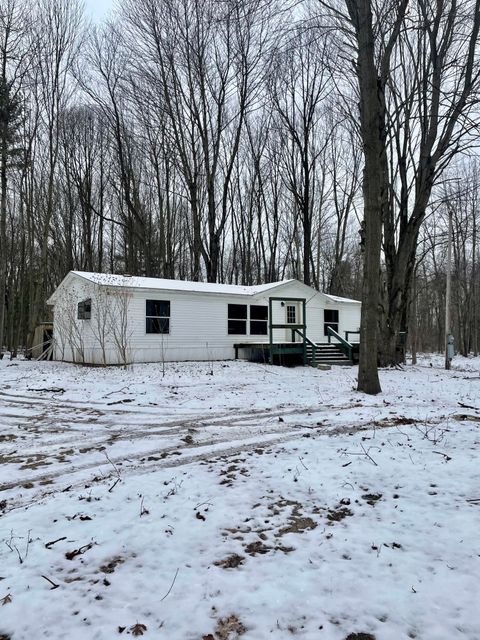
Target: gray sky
(98,9)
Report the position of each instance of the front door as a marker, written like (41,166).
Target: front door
(330,319)
(292,316)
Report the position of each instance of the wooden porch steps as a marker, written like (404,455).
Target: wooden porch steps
(327,354)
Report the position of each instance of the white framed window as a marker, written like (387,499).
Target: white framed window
(258,320)
(237,319)
(84,309)
(291,314)
(157,316)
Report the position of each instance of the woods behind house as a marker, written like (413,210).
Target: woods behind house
(225,141)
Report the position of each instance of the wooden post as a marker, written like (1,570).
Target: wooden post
(413,319)
(304,322)
(270,329)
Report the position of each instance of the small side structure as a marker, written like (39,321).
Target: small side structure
(115,319)
(42,348)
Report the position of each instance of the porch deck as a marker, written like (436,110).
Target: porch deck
(277,352)
(295,353)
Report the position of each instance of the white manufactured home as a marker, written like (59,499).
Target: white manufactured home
(115,319)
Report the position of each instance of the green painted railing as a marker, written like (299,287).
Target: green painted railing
(345,346)
(306,340)
(286,325)
(348,333)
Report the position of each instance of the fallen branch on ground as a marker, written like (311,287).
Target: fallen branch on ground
(440,453)
(54,584)
(50,544)
(468,406)
(70,555)
(171,586)
(114,485)
(112,392)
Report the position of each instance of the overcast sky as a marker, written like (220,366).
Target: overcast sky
(98,9)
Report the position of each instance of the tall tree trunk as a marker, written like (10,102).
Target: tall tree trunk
(3,230)
(372,126)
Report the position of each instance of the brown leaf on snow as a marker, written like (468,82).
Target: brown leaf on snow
(208,637)
(6,600)
(231,562)
(138,629)
(229,628)
(109,567)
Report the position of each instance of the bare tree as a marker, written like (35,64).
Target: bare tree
(14,46)
(119,324)
(372,76)
(58,25)
(432,102)
(298,88)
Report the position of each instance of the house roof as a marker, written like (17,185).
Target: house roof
(164,284)
(339,299)
(138,282)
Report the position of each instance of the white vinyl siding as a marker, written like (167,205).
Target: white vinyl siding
(198,322)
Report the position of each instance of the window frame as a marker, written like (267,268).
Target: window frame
(258,321)
(234,318)
(160,318)
(287,309)
(331,323)
(82,312)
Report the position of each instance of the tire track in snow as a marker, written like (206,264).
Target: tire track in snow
(96,435)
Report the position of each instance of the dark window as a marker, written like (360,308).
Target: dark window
(158,309)
(238,327)
(330,319)
(258,327)
(85,309)
(291,314)
(258,320)
(237,311)
(157,316)
(258,312)
(237,319)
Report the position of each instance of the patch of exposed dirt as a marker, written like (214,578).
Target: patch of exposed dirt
(9,460)
(111,565)
(399,420)
(230,562)
(296,521)
(338,514)
(257,547)
(35,462)
(238,532)
(360,636)
(298,524)
(466,417)
(371,498)
(90,449)
(7,437)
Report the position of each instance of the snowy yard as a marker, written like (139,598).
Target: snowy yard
(237,500)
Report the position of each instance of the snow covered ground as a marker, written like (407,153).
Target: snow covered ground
(237,500)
